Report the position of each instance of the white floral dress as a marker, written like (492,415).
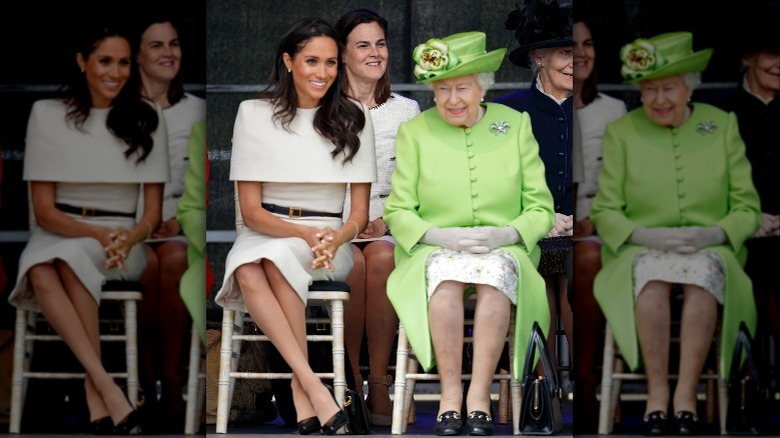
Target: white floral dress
(497,268)
(704,269)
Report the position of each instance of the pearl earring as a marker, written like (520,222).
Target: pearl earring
(434,99)
(482,99)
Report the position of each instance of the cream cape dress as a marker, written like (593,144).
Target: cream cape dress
(90,170)
(296,170)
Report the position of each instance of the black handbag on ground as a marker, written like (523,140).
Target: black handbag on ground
(355,406)
(748,394)
(541,406)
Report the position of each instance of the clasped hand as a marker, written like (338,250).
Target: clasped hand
(117,247)
(683,240)
(564,225)
(473,240)
(770,225)
(324,245)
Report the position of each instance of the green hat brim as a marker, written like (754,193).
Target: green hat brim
(487,62)
(693,63)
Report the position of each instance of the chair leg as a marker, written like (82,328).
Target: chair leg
(503,399)
(20,366)
(409,395)
(515,384)
(225,366)
(131,350)
(337,331)
(399,391)
(606,412)
(722,389)
(190,421)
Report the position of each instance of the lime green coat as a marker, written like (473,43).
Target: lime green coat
(654,176)
(448,176)
(191,214)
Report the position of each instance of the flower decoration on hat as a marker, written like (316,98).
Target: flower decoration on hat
(640,58)
(433,58)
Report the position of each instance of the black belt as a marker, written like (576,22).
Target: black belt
(297,211)
(90,212)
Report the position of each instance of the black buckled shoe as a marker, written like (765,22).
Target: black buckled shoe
(448,424)
(656,424)
(479,423)
(686,423)
(308,426)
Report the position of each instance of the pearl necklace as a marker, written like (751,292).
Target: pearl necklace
(480,114)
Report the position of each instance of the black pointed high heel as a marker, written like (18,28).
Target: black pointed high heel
(308,426)
(338,420)
(130,424)
(102,426)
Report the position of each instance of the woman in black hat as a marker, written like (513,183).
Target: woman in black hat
(544,31)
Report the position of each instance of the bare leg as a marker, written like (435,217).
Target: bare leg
(699,317)
(175,324)
(63,316)
(267,301)
(653,317)
(87,310)
(588,334)
(381,322)
(552,299)
(565,308)
(445,316)
(355,310)
(491,323)
(149,347)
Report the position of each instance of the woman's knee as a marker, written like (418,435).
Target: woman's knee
(42,275)
(248,273)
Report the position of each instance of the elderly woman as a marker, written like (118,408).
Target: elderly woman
(544,31)
(467,206)
(674,207)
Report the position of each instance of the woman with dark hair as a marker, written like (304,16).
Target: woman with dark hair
(88,155)
(593,111)
(294,151)
(364,35)
(165,322)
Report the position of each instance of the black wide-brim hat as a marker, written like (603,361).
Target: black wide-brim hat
(539,25)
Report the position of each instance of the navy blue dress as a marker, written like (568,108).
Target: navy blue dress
(552,125)
(553,128)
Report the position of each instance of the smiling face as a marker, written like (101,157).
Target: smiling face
(556,71)
(314,69)
(159,55)
(107,70)
(457,99)
(763,72)
(366,53)
(584,53)
(665,100)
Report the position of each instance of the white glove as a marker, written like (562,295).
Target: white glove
(702,237)
(564,226)
(683,240)
(449,238)
(490,238)
(475,240)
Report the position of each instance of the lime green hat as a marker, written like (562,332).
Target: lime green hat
(456,55)
(662,55)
